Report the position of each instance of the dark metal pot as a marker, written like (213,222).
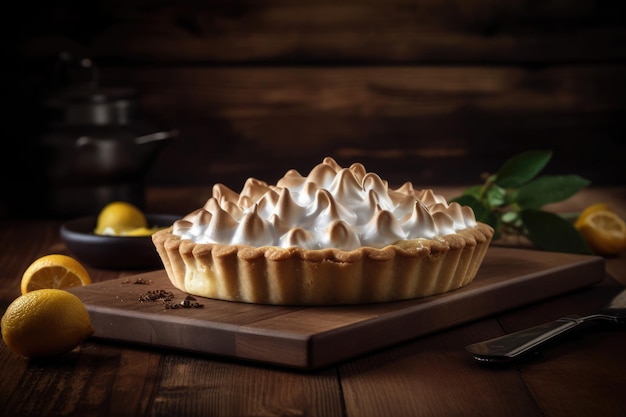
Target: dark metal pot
(98,149)
(98,138)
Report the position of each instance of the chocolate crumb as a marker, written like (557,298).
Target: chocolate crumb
(167,298)
(188,302)
(138,281)
(155,295)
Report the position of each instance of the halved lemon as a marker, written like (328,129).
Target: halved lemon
(604,231)
(55,271)
(141,231)
(118,217)
(591,209)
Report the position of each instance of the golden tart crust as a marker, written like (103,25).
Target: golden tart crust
(294,276)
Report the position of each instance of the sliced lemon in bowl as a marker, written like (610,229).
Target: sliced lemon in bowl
(55,271)
(118,217)
(603,230)
(141,231)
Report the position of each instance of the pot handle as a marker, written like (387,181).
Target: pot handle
(153,137)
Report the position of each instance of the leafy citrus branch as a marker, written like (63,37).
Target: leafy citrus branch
(511,201)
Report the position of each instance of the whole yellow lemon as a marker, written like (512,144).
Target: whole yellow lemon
(46,322)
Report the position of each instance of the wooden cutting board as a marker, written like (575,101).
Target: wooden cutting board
(313,337)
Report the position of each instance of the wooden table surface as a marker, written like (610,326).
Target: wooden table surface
(427,376)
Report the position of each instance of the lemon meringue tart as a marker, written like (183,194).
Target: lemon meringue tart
(336,236)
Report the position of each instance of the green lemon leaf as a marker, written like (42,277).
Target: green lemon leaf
(481,212)
(549,189)
(474,191)
(511,200)
(496,196)
(549,231)
(494,221)
(473,202)
(511,217)
(522,168)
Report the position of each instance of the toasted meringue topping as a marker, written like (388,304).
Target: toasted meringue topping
(332,207)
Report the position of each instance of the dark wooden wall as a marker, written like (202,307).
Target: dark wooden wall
(432,91)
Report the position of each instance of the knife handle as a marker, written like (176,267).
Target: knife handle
(511,346)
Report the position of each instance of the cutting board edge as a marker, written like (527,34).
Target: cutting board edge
(323,352)
(218,338)
(309,356)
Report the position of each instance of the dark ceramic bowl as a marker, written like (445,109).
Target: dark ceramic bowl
(113,252)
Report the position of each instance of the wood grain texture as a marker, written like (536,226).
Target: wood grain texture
(434,92)
(426,376)
(429,125)
(231,389)
(327,31)
(319,336)
(552,366)
(418,372)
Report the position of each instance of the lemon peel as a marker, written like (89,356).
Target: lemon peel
(141,231)
(118,217)
(590,209)
(45,323)
(603,230)
(56,271)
